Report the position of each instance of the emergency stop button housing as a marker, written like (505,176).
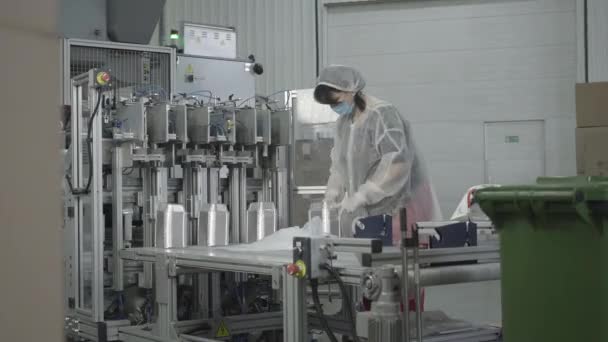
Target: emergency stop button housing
(103,79)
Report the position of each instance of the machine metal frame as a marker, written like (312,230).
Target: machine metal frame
(89,321)
(68,43)
(296,321)
(94,199)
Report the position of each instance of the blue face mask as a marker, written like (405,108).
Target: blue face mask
(343,108)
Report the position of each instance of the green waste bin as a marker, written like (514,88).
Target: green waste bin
(554,255)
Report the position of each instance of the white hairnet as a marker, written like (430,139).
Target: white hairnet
(375,161)
(342,77)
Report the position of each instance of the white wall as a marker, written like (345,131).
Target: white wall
(449,66)
(597,28)
(280,33)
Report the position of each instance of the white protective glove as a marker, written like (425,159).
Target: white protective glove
(332,197)
(352,203)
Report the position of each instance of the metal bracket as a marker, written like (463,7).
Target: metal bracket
(171,266)
(148,158)
(122,137)
(276,277)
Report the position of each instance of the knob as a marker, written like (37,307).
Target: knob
(297,269)
(293,269)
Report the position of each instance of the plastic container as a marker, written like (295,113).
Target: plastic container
(554,255)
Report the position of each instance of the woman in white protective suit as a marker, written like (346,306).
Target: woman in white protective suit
(375,167)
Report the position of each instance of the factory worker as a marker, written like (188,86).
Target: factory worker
(375,167)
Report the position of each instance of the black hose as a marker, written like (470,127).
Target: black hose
(346,300)
(315,298)
(87,188)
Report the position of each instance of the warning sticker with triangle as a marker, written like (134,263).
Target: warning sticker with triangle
(222,330)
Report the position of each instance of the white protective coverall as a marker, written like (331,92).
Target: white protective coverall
(375,166)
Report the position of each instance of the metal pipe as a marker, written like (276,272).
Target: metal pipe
(457,274)
(155,194)
(280,198)
(195,189)
(405,327)
(117,219)
(418,299)
(295,316)
(234,206)
(196,338)
(266,186)
(213,188)
(280,186)
(242,174)
(127,223)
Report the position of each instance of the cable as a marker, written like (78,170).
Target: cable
(346,300)
(263,97)
(247,99)
(315,298)
(86,189)
(201,91)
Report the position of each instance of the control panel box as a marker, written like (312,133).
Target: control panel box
(309,254)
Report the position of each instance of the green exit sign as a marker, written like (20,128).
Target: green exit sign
(512,139)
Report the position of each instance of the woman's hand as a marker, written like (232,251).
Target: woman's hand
(352,203)
(332,198)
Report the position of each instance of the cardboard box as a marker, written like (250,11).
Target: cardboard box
(592,104)
(592,151)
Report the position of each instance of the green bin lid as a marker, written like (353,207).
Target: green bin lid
(571,180)
(585,196)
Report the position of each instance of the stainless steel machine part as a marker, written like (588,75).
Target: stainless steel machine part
(199,125)
(280,185)
(154,197)
(132,118)
(158,123)
(178,117)
(213,228)
(172,227)
(263,126)
(280,127)
(385,321)
(261,221)
(246,126)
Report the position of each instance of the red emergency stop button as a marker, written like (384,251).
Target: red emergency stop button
(103,78)
(297,269)
(292,269)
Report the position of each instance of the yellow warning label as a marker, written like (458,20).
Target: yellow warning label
(189,69)
(222,330)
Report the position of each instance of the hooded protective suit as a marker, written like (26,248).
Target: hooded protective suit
(375,168)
